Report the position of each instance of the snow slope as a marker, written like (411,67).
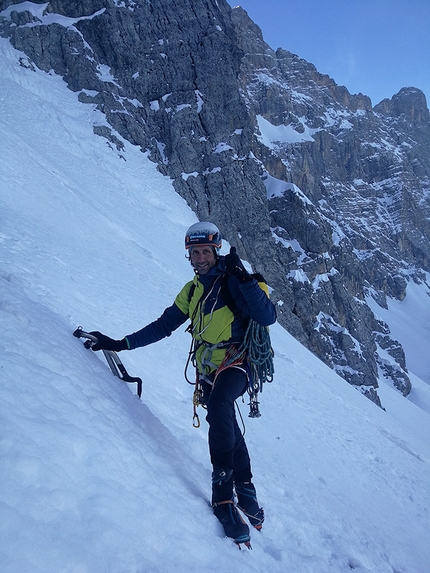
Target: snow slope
(96,481)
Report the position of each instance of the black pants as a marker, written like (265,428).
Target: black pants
(227,446)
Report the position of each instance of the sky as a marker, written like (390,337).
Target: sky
(375,47)
(94,480)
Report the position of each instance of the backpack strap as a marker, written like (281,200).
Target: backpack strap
(191,292)
(229,300)
(227,296)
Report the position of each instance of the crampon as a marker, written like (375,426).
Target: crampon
(247,544)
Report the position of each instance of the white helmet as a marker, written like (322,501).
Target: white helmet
(203,233)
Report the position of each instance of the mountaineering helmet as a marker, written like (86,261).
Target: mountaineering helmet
(203,234)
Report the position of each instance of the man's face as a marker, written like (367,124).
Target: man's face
(203,259)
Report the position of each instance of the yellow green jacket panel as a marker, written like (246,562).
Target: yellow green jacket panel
(212,322)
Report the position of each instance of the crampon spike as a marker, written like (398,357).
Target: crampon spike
(246,543)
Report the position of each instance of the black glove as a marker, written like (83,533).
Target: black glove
(106,343)
(234,266)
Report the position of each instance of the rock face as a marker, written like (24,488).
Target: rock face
(325,195)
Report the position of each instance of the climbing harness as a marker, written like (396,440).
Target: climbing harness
(254,355)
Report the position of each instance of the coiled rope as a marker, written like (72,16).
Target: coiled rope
(259,349)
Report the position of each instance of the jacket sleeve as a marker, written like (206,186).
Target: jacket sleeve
(252,300)
(169,321)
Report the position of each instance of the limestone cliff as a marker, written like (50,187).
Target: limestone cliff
(324,194)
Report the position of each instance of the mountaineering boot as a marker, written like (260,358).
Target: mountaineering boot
(224,508)
(231,520)
(247,502)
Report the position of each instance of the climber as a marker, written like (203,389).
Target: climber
(215,329)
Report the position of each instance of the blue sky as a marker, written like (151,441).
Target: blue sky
(375,47)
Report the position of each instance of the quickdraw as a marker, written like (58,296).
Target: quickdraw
(198,400)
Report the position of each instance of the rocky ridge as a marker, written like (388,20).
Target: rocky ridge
(324,194)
